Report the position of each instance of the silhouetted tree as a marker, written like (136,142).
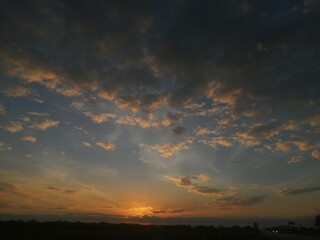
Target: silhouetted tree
(317,222)
(256,225)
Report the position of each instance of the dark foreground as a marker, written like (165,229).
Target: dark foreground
(65,230)
(287,236)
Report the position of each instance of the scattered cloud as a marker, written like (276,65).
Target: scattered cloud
(14,127)
(100,118)
(29,138)
(107,145)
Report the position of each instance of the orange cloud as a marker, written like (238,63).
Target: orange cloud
(45,124)
(204,131)
(286,146)
(14,127)
(69,91)
(18,91)
(100,118)
(107,145)
(168,149)
(219,141)
(29,138)
(316,153)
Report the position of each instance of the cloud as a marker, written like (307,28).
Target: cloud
(316,154)
(293,192)
(7,187)
(194,106)
(146,103)
(38,114)
(62,190)
(178,130)
(19,91)
(79,105)
(247,139)
(100,118)
(131,120)
(204,131)
(29,138)
(295,159)
(14,127)
(4,147)
(2,109)
(86,144)
(190,182)
(45,124)
(286,146)
(237,200)
(228,64)
(217,141)
(69,91)
(169,118)
(168,149)
(107,145)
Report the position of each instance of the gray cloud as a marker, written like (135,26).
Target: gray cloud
(237,200)
(292,192)
(136,48)
(178,130)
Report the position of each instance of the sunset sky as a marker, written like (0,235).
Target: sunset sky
(157,111)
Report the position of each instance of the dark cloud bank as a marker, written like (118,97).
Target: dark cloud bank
(255,53)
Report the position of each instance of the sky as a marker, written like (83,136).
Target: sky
(160,111)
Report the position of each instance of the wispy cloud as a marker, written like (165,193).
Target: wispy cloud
(62,190)
(292,192)
(237,200)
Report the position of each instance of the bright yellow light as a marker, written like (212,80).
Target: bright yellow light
(140,211)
